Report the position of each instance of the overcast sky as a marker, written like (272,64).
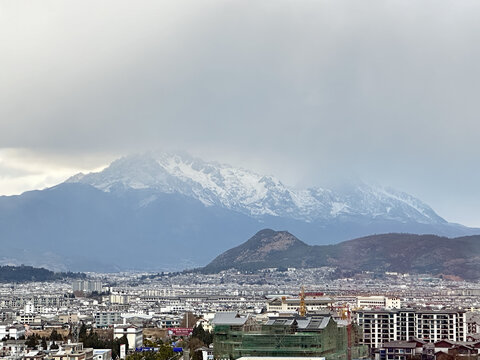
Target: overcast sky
(314,92)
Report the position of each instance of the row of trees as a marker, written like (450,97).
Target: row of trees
(200,338)
(87,336)
(33,341)
(165,352)
(90,339)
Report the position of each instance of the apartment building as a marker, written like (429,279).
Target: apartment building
(73,351)
(133,334)
(87,285)
(290,304)
(13,332)
(107,318)
(372,302)
(382,326)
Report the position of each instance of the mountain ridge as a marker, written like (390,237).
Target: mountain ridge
(139,215)
(254,194)
(403,253)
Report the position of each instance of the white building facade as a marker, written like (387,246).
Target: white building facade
(382,326)
(133,334)
(372,302)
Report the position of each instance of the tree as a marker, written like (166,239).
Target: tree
(32,341)
(205,336)
(53,346)
(194,344)
(197,355)
(55,336)
(44,343)
(165,352)
(116,346)
(188,320)
(82,333)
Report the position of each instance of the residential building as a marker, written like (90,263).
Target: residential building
(108,318)
(102,354)
(291,304)
(87,286)
(133,334)
(315,336)
(382,326)
(373,302)
(13,332)
(73,351)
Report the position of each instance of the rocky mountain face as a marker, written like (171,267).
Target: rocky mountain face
(404,253)
(171,212)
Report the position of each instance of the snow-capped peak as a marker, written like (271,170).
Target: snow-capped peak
(253,194)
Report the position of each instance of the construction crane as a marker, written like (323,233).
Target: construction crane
(302,310)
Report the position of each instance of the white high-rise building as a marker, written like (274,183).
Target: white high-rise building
(87,285)
(381,326)
(29,308)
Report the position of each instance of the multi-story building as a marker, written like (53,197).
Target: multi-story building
(382,326)
(87,285)
(102,354)
(373,302)
(29,319)
(73,351)
(285,337)
(118,299)
(108,318)
(68,318)
(289,304)
(13,332)
(134,335)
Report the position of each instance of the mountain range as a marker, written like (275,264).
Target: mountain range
(172,211)
(402,253)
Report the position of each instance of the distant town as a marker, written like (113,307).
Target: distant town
(273,312)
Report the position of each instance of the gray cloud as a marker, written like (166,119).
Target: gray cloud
(313,91)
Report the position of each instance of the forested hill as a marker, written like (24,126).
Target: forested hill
(28,273)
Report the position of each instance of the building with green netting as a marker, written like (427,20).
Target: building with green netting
(315,336)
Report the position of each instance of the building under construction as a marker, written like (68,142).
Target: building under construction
(300,336)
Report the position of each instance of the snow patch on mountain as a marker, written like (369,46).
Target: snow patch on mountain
(253,194)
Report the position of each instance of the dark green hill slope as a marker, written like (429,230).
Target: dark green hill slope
(28,273)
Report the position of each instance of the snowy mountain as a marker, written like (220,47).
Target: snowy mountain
(171,212)
(253,194)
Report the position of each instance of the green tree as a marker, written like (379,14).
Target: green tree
(82,333)
(116,346)
(55,336)
(165,352)
(194,344)
(205,336)
(197,355)
(32,341)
